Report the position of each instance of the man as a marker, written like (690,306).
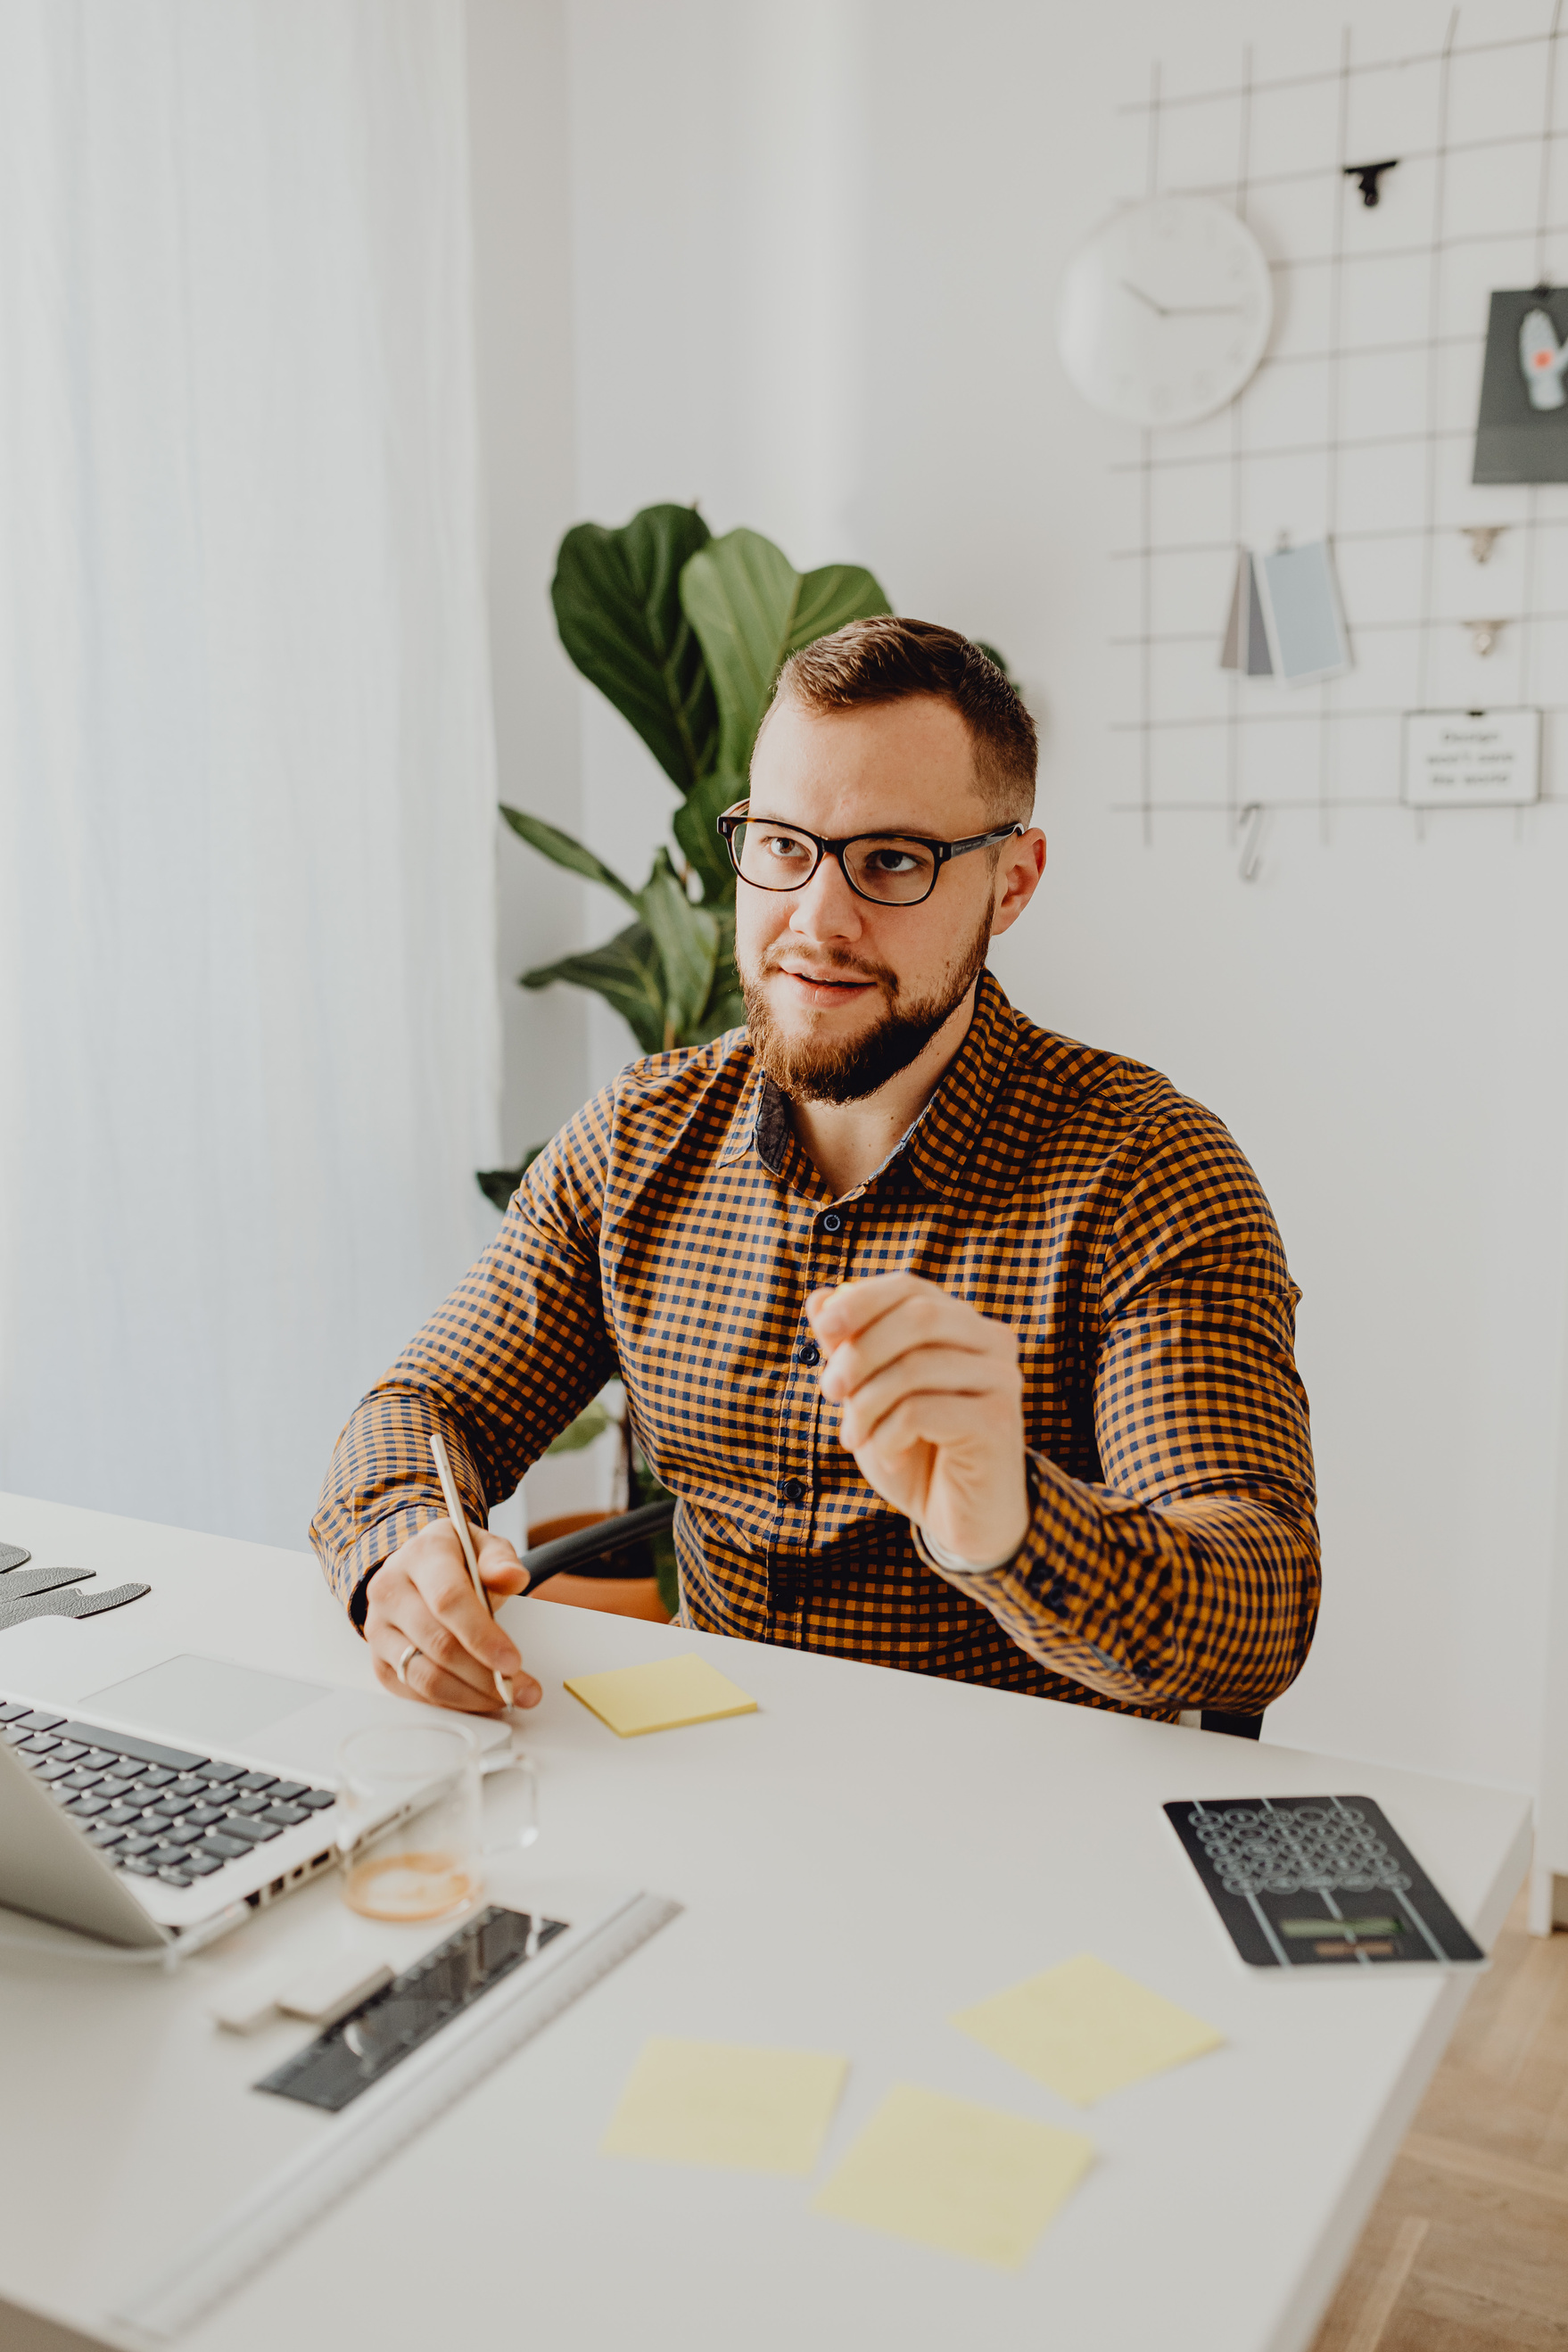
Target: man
(966,1348)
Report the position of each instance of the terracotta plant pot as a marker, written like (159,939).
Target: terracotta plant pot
(618,1596)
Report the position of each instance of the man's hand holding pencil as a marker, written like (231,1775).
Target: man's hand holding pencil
(429,1620)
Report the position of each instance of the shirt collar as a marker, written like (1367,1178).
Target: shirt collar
(941,1140)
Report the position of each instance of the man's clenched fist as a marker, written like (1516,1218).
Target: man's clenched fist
(932,1409)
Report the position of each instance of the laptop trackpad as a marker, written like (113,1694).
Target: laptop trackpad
(205,1702)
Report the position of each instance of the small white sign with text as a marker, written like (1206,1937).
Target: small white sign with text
(1472,759)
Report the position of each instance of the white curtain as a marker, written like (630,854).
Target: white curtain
(247,997)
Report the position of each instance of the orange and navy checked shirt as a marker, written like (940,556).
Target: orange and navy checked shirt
(671,1233)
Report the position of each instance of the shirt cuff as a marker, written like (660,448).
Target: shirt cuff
(947,1563)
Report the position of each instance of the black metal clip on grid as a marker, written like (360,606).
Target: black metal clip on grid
(44,1591)
(598,1551)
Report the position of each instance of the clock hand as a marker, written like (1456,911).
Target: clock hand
(1139,295)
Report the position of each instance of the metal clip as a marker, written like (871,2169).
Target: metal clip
(1253,823)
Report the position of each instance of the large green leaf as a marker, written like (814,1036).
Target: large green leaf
(752,610)
(617,606)
(627,972)
(725,1010)
(688,940)
(552,843)
(498,1184)
(696,828)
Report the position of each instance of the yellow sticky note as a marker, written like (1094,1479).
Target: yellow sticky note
(1084,2029)
(946,2173)
(661,1696)
(721,2102)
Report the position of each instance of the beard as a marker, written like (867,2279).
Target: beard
(847,1069)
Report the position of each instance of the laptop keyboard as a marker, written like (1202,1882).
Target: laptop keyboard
(155,1812)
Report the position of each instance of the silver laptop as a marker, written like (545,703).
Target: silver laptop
(164,1808)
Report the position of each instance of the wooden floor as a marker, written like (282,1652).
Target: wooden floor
(1467,2250)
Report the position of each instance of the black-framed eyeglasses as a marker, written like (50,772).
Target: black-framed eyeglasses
(891,869)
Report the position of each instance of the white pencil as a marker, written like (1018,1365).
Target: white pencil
(453,1501)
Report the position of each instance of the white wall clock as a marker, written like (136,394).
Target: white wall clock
(1165,311)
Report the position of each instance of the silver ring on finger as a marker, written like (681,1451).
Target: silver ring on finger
(400,1669)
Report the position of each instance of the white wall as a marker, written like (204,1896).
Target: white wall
(522,297)
(815,250)
(246,1020)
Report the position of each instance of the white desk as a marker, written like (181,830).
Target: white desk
(867,1854)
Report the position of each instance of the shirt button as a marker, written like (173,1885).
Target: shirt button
(832,1222)
(810,1354)
(794,1490)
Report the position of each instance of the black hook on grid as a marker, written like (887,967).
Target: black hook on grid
(1366,177)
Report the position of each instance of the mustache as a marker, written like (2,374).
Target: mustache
(836,959)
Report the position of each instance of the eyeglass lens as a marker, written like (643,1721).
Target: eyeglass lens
(887,866)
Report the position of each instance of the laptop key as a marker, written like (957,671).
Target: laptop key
(173,1877)
(253,1780)
(252,1804)
(146,1751)
(137,1863)
(316,1800)
(38,1722)
(286,1816)
(78,1778)
(50,1768)
(97,1759)
(104,1833)
(67,1750)
(42,1743)
(221,1773)
(157,1779)
(139,1845)
(120,1817)
(187,1835)
(227,1849)
(253,1832)
(204,1815)
(87,1809)
(202,1865)
(286,1793)
(11,1710)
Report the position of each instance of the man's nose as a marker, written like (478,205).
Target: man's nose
(826,907)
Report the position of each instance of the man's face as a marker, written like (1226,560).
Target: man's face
(842,992)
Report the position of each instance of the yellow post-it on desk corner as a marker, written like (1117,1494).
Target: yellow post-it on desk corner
(1084,2029)
(947,2173)
(721,2102)
(661,1696)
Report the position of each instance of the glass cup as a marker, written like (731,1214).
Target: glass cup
(410,1830)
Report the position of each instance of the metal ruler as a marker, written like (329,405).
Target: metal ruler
(364,2135)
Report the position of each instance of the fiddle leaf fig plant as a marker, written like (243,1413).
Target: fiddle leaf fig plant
(685,634)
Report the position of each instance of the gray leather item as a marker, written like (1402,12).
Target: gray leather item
(22,1586)
(67,1605)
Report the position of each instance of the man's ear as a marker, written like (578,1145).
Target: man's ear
(1019,872)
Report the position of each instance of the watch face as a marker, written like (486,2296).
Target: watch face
(1164,313)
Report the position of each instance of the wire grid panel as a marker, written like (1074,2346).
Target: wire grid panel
(1359,424)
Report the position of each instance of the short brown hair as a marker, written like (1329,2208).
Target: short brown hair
(887,660)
